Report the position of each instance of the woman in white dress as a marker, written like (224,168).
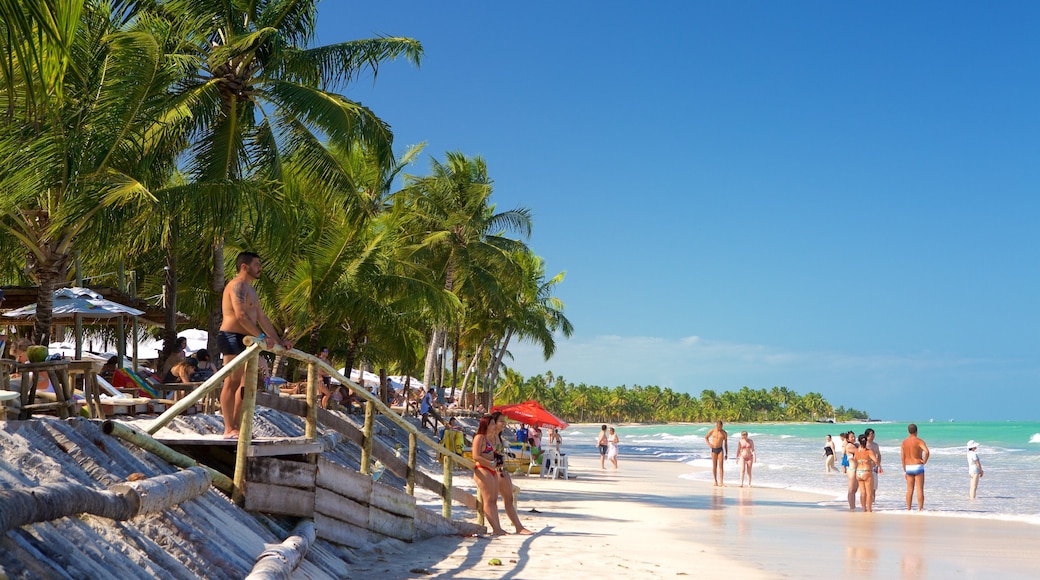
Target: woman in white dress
(612,443)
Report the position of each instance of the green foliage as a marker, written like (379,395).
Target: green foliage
(652,404)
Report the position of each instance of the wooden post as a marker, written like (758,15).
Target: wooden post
(121,327)
(413,443)
(446,506)
(369,433)
(245,428)
(311,430)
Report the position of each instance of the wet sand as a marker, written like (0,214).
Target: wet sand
(645,521)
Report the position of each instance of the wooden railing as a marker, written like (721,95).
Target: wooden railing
(373,405)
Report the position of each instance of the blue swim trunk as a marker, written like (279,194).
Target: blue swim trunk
(915,469)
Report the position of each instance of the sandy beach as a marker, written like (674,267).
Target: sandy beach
(645,521)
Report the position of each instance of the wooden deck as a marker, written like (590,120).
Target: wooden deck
(261,446)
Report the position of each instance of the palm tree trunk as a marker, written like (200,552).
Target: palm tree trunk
(437,338)
(50,273)
(455,364)
(496,364)
(469,371)
(216,294)
(430,368)
(170,295)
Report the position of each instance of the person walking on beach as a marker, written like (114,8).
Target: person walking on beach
(601,443)
(745,457)
(242,316)
(877,452)
(914,454)
(974,468)
(555,440)
(849,446)
(612,447)
(718,442)
(485,471)
(828,455)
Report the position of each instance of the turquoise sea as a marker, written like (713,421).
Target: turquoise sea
(790,455)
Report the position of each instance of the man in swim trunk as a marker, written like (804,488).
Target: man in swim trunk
(718,441)
(914,454)
(601,443)
(242,316)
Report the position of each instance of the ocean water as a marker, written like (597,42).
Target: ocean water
(790,456)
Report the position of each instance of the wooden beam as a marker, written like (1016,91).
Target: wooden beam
(345,482)
(392,500)
(281,472)
(279,499)
(343,508)
(341,532)
(391,525)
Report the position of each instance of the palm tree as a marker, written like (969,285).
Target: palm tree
(260,93)
(95,144)
(457,232)
(710,402)
(38,38)
(535,314)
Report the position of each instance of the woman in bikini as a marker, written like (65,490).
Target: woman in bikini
(745,457)
(505,481)
(849,445)
(485,473)
(865,459)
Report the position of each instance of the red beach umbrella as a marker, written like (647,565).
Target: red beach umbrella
(532,413)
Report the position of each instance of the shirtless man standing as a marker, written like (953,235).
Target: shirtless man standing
(242,317)
(718,441)
(914,454)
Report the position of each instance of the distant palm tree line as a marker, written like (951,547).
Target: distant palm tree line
(649,404)
(162,137)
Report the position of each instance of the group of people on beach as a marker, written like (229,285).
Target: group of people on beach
(861,462)
(718,442)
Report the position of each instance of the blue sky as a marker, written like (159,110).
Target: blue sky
(831,197)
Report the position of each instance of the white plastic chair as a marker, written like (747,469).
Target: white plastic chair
(557,464)
(532,463)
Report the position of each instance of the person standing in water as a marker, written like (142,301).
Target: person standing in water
(865,460)
(877,452)
(974,468)
(914,454)
(718,442)
(745,457)
(828,455)
(849,444)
